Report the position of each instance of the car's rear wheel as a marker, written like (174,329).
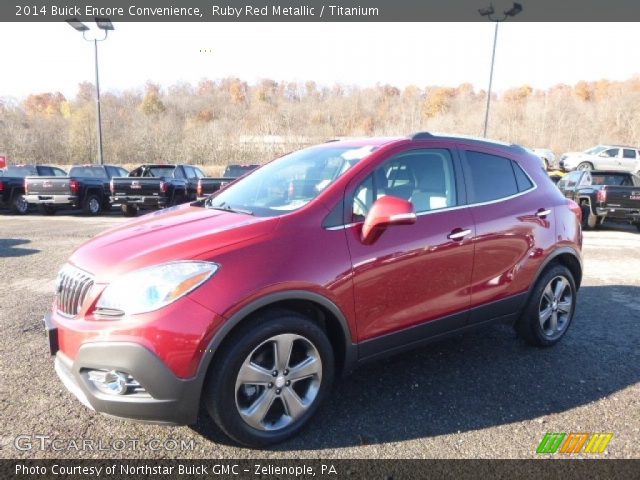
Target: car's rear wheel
(269,378)
(550,308)
(91,205)
(45,209)
(585,166)
(19,204)
(129,210)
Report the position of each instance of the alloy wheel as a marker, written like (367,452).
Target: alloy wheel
(94,205)
(278,382)
(556,307)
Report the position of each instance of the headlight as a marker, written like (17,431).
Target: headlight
(154,287)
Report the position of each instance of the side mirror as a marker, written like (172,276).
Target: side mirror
(386,211)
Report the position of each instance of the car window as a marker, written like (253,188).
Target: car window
(46,171)
(424,177)
(569,180)
(611,152)
(199,173)
(628,153)
(168,171)
(121,172)
(522,179)
(88,172)
(613,179)
(488,177)
(58,172)
(291,181)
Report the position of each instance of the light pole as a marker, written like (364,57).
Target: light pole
(488,12)
(105,25)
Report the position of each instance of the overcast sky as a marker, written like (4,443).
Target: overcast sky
(43,57)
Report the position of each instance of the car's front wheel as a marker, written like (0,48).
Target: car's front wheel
(269,378)
(550,308)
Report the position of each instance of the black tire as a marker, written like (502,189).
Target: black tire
(19,205)
(638,226)
(530,324)
(46,209)
(585,166)
(92,205)
(129,210)
(222,398)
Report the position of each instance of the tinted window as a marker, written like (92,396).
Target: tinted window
(167,171)
(488,177)
(612,152)
(190,172)
(611,179)
(423,177)
(522,180)
(20,171)
(58,172)
(121,172)
(628,153)
(46,171)
(199,173)
(88,172)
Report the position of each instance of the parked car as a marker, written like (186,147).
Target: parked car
(155,186)
(86,187)
(209,185)
(547,156)
(604,195)
(12,184)
(254,299)
(602,157)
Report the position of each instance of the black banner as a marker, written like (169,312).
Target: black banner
(319,469)
(322,11)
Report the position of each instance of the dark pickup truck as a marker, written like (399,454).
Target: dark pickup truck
(209,185)
(12,184)
(155,186)
(86,187)
(604,195)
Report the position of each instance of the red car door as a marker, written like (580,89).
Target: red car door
(411,274)
(514,231)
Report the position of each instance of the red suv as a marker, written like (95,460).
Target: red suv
(254,299)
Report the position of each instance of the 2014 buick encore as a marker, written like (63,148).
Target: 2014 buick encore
(254,299)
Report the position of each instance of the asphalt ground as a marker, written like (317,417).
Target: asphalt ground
(481,395)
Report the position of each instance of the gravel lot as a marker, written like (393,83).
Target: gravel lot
(482,395)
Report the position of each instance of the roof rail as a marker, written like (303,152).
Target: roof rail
(421,136)
(465,138)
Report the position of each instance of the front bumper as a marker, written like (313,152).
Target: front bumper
(52,199)
(166,398)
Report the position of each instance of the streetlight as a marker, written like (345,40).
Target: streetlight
(105,25)
(488,12)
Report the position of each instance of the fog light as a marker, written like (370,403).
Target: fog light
(112,382)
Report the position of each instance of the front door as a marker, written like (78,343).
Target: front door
(412,274)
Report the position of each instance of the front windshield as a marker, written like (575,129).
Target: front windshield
(595,150)
(290,182)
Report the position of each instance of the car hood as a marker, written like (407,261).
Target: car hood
(177,233)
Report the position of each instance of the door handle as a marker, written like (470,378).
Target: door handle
(543,213)
(458,234)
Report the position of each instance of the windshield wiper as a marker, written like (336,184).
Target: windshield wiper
(227,208)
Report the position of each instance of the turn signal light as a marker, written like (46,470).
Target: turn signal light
(601,196)
(199,188)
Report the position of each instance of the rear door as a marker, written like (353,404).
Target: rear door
(628,160)
(514,230)
(412,274)
(608,160)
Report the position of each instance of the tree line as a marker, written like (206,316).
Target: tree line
(225,121)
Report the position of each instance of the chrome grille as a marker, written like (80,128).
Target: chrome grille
(72,287)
